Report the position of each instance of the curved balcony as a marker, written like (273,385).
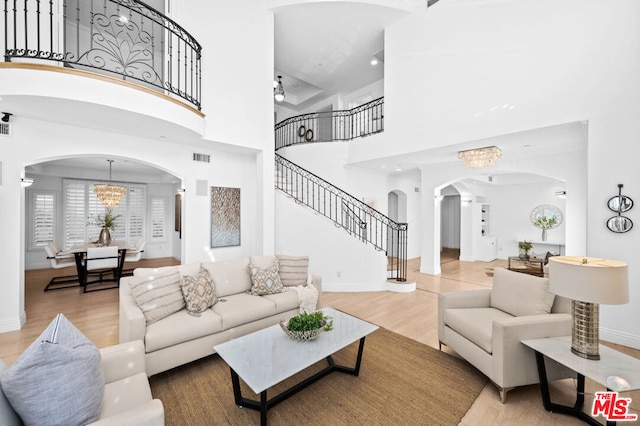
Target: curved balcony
(343,125)
(125,39)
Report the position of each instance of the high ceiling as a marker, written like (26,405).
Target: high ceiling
(326,48)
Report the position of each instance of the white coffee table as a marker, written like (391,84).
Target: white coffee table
(267,357)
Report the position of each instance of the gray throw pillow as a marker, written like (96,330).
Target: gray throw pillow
(265,281)
(58,379)
(199,292)
(294,270)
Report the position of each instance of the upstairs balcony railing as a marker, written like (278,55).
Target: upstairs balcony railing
(126,39)
(347,212)
(343,125)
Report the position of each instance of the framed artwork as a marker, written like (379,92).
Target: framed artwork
(225,217)
(178,214)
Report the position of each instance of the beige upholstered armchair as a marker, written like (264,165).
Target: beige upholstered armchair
(485,327)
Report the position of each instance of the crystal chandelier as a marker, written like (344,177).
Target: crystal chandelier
(108,194)
(480,157)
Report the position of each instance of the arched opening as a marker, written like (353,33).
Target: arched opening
(58,204)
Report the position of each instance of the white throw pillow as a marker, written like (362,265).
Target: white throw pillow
(520,294)
(158,296)
(58,379)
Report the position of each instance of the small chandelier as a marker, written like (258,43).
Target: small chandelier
(108,194)
(480,157)
(278,90)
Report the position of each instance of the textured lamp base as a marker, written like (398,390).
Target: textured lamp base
(584,329)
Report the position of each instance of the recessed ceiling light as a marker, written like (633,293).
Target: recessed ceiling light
(398,169)
(374,62)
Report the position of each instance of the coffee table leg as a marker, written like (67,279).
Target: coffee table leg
(235,380)
(263,408)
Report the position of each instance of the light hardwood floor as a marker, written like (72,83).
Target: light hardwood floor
(411,314)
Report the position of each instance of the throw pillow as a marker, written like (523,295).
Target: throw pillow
(198,291)
(58,379)
(294,270)
(158,296)
(520,294)
(265,281)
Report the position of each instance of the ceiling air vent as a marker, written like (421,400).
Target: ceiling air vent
(5,129)
(205,158)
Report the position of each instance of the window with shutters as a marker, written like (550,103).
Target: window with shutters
(157,218)
(81,205)
(43,220)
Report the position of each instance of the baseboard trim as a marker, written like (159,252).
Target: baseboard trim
(620,338)
(397,287)
(13,324)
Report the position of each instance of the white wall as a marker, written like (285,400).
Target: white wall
(343,262)
(449,70)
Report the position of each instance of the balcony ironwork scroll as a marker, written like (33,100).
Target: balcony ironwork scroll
(347,212)
(122,38)
(342,125)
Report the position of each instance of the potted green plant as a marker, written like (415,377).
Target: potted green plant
(106,223)
(307,326)
(524,247)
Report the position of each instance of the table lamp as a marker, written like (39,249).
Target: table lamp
(588,281)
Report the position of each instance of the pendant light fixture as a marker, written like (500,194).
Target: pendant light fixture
(278,90)
(109,194)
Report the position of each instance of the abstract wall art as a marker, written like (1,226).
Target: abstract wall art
(225,217)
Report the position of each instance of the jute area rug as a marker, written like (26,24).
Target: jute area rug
(401,382)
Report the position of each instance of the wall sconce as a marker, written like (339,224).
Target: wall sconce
(439,198)
(6,116)
(466,201)
(561,194)
(25,182)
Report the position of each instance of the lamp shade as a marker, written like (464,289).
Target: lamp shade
(588,279)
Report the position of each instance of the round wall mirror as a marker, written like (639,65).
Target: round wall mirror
(619,224)
(620,203)
(548,214)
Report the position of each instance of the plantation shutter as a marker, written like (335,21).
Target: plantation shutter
(157,218)
(82,207)
(44,218)
(75,217)
(137,207)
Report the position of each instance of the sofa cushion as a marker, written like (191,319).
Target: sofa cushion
(58,379)
(475,324)
(520,294)
(265,280)
(284,301)
(243,308)
(181,327)
(198,292)
(158,296)
(294,270)
(262,261)
(229,276)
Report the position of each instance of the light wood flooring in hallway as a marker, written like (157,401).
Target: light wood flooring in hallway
(411,314)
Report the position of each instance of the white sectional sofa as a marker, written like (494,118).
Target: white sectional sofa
(180,337)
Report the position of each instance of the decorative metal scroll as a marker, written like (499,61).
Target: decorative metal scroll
(121,38)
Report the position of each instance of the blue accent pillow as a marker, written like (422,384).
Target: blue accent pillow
(58,379)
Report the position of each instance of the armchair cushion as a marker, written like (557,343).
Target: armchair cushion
(475,324)
(520,294)
(58,379)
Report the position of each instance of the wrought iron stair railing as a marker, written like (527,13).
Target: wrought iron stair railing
(342,125)
(347,212)
(126,39)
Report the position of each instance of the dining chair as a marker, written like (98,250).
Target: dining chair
(105,263)
(58,261)
(134,256)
